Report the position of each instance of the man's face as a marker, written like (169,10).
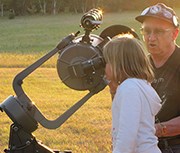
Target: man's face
(158,35)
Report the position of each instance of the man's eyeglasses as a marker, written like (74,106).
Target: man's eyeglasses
(156,31)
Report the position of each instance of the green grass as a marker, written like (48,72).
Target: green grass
(35,33)
(23,41)
(42,33)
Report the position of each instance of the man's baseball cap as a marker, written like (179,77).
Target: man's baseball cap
(160,11)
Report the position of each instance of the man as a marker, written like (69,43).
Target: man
(160,30)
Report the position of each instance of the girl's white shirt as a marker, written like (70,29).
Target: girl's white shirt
(134,107)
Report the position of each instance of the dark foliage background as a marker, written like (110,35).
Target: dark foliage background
(30,7)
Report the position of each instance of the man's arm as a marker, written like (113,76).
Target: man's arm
(168,128)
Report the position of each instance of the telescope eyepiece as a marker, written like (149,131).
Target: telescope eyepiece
(92,19)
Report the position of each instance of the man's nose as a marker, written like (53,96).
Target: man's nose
(152,36)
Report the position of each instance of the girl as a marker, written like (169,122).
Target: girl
(135,103)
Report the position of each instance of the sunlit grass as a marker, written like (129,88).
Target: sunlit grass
(20,60)
(88,130)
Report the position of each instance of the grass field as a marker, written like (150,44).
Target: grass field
(42,33)
(23,41)
(88,130)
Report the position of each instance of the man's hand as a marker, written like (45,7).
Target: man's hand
(168,128)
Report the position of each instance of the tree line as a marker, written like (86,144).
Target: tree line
(30,7)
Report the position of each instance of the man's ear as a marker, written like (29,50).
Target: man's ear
(175,33)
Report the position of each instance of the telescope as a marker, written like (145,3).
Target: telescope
(80,66)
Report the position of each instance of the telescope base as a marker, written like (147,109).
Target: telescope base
(21,141)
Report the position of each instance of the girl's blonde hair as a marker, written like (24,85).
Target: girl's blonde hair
(127,58)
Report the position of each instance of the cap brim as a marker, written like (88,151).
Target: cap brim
(140,18)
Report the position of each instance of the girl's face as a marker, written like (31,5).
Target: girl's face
(108,72)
